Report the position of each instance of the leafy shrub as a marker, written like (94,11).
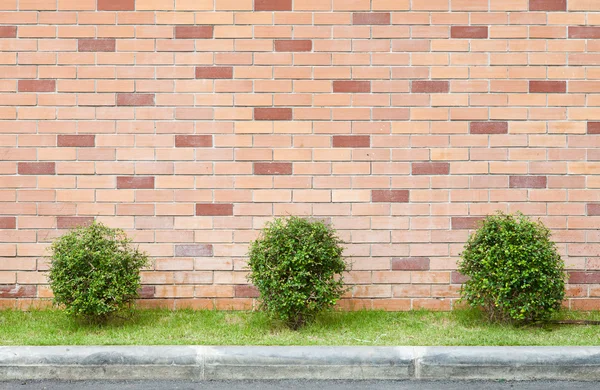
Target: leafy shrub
(297,265)
(516,274)
(94,271)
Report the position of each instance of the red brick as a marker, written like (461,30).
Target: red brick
(458,278)
(430,86)
(466,222)
(97,45)
(431,168)
(272,5)
(273,114)
(293,45)
(37,85)
(584,277)
(135,99)
(593,209)
(584,32)
(135,182)
(8,32)
(193,141)
(351,141)
(214,72)
(410,264)
(352,86)
(469,32)
(214,209)
(193,32)
(196,250)
(82,141)
(116,5)
(246,291)
(547,5)
(146,292)
(489,128)
(8,222)
(272,168)
(399,196)
(371,18)
(528,181)
(547,86)
(17,291)
(593,128)
(37,168)
(73,222)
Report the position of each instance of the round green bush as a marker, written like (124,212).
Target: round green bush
(94,271)
(515,272)
(296,265)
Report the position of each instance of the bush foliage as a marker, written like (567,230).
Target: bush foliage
(297,266)
(516,274)
(94,271)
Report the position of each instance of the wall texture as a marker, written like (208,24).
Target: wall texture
(190,123)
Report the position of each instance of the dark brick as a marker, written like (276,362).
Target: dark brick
(547,5)
(193,32)
(146,292)
(576,277)
(37,168)
(8,222)
(214,72)
(593,209)
(37,86)
(430,87)
(135,182)
(17,291)
(272,168)
(246,291)
(198,250)
(527,181)
(593,128)
(466,222)
(97,45)
(214,209)
(410,264)
(135,99)
(351,141)
(584,32)
(73,222)
(431,168)
(273,114)
(547,86)
(343,86)
(81,141)
(8,31)
(293,45)
(399,196)
(489,128)
(458,278)
(272,5)
(116,5)
(193,141)
(469,32)
(370,18)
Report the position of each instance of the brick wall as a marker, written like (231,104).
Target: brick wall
(190,123)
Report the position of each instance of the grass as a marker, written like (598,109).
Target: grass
(160,327)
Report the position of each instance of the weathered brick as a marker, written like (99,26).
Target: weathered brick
(196,250)
(374,18)
(351,141)
(8,31)
(246,291)
(73,222)
(8,223)
(116,5)
(272,168)
(193,32)
(37,168)
(593,209)
(37,85)
(352,86)
(273,114)
(430,168)
(410,264)
(547,5)
(466,222)
(272,5)
(81,141)
(430,86)
(17,291)
(146,292)
(469,32)
(133,182)
(536,86)
(214,209)
(398,196)
(489,128)
(214,72)
(193,141)
(528,181)
(135,99)
(96,45)
(577,277)
(293,45)
(458,278)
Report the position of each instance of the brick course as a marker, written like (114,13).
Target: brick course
(192,123)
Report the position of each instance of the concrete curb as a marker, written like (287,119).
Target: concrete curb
(354,363)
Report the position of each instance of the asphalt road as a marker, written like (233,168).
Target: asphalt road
(300,385)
